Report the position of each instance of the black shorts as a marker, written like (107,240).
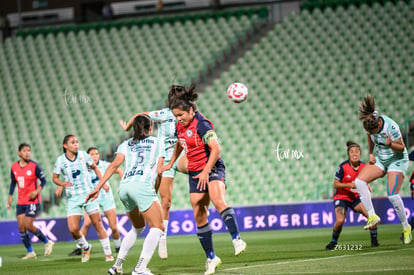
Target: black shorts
(218,172)
(345,204)
(30,210)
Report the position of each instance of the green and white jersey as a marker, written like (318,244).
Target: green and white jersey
(102,165)
(166,126)
(389,129)
(76,172)
(141,159)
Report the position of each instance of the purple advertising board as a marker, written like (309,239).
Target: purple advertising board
(250,218)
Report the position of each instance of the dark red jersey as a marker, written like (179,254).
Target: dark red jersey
(346,174)
(26,179)
(191,139)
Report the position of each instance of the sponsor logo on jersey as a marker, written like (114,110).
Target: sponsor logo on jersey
(348,176)
(189,133)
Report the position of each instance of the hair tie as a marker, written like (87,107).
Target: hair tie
(375,113)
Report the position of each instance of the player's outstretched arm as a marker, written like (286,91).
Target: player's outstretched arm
(127,125)
(177,151)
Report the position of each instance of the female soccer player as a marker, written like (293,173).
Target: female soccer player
(387,156)
(106,203)
(25,173)
(344,197)
(166,132)
(74,164)
(143,156)
(206,170)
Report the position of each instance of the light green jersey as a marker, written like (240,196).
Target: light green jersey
(389,129)
(141,159)
(166,126)
(76,172)
(102,165)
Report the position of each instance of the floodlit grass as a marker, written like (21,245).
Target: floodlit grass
(268,252)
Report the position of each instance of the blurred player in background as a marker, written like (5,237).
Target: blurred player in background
(344,197)
(73,165)
(206,171)
(387,156)
(106,203)
(25,173)
(166,122)
(143,156)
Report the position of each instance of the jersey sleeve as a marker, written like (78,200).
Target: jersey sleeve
(205,131)
(339,175)
(40,175)
(394,132)
(57,168)
(13,183)
(158,115)
(121,149)
(88,158)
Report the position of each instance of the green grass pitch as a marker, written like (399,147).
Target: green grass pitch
(268,252)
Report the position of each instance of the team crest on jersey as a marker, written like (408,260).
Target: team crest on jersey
(189,133)
(29,173)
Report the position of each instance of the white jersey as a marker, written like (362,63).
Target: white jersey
(76,172)
(166,127)
(141,159)
(389,129)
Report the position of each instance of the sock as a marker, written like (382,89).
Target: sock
(106,246)
(164,235)
(117,243)
(39,234)
(205,237)
(373,233)
(26,241)
(148,248)
(365,196)
(229,217)
(335,236)
(126,245)
(82,242)
(399,209)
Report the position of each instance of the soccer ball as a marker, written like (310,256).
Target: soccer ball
(237,92)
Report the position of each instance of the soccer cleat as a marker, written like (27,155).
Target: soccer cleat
(142,272)
(86,253)
(211,265)
(372,222)
(331,246)
(115,270)
(109,258)
(239,246)
(407,235)
(162,249)
(76,252)
(30,255)
(49,248)
(374,243)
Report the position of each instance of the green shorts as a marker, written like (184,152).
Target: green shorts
(393,164)
(75,206)
(140,194)
(106,200)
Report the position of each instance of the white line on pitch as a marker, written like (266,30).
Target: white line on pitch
(312,260)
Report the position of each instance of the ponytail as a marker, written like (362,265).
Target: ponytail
(367,113)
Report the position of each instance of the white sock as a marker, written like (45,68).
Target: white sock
(128,242)
(365,196)
(82,242)
(398,204)
(106,246)
(117,243)
(164,235)
(148,248)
